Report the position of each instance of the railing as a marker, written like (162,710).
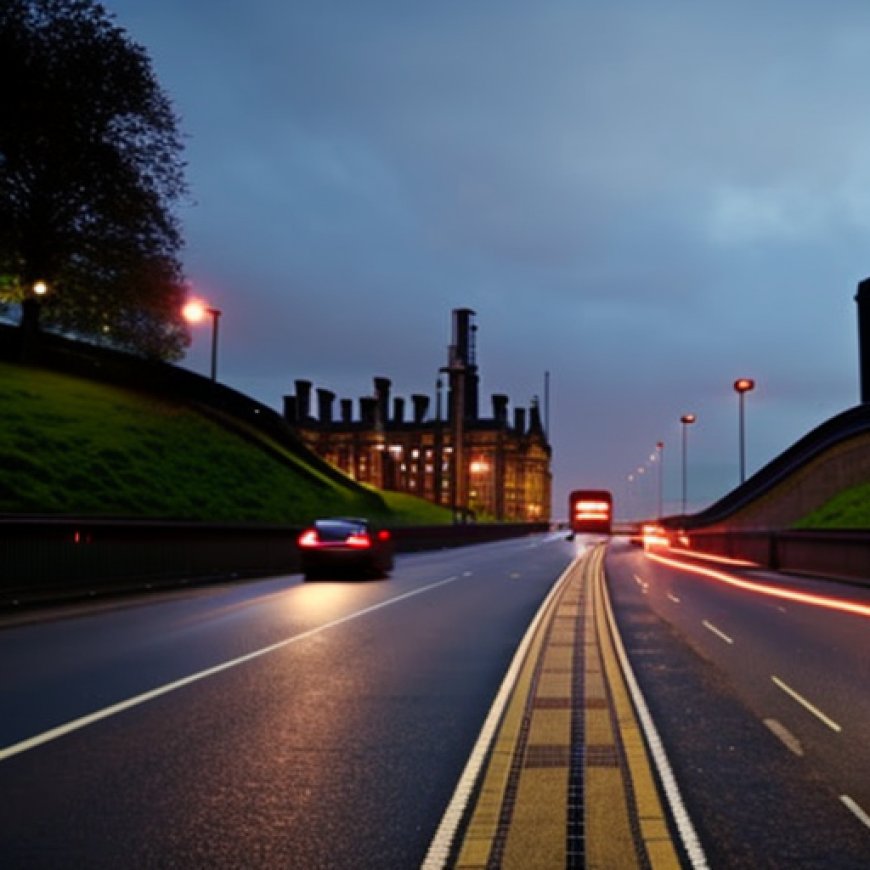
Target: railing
(837,554)
(47,559)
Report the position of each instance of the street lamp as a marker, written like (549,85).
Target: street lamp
(686,420)
(660,458)
(195,312)
(742,386)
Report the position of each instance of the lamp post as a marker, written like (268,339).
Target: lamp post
(742,386)
(686,420)
(660,454)
(195,311)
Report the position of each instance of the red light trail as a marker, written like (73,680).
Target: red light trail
(839,604)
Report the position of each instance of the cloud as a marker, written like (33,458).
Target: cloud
(648,200)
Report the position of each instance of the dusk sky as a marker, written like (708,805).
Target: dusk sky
(646,199)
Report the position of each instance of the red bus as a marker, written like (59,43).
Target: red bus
(590,510)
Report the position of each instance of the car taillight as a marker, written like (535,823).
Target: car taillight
(309,538)
(359,541)
(383,535)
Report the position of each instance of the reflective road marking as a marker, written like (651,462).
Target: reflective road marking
(806,704)
(720,634)
(106,712)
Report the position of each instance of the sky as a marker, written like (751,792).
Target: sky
(647,199)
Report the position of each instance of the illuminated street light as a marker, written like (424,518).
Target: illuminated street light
(742,386)
(40,288)
(686,420)
(195,312)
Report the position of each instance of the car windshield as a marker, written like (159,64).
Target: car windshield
(338,530)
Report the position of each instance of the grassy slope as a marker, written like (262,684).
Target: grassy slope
(72,446)
(849,509)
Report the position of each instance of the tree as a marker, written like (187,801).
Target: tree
(90,170)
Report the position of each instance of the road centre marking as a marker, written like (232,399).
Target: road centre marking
(114,709)
(791,742)
(438,854)
(807,705)
(718,632)
(673,598)
(855,809)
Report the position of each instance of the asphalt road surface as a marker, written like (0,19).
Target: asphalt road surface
(274,723)
(763,706)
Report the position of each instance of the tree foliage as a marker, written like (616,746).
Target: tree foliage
(90,170)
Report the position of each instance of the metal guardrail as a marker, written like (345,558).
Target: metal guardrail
(48,559)
(843,554)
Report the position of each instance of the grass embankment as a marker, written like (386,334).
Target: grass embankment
(849,509)
(70,446)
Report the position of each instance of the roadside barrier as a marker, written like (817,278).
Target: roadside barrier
(841,554)
(51,559)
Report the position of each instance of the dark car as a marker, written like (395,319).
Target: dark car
(345,546)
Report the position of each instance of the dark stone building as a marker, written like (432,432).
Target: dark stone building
(494,467)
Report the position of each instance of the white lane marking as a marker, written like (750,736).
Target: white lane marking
(673,598)
(807,705)
(644,586)
(439,849)
(114,709)
(691,843)
(718,632)
(791,742)
(856,809)
(467,573)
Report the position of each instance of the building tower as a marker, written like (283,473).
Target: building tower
(463,380)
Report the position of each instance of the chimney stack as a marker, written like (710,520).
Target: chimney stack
(520,420)
(346,410)
(368,409)
(421,407)
(382,398)
(325,398)
(500,408)
(398,410)
(303,401)
(290,409)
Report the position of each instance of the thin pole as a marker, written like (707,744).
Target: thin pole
(547,405)
(215,315)
(742,440)
(660,446)
(685,428)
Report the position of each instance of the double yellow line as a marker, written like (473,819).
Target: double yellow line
(568,780)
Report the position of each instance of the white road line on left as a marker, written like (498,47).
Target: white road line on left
(120,707)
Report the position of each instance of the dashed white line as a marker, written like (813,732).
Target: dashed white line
(791,742)
(855,809)
(644,586)
(807,704)
(673,598)
(718,632)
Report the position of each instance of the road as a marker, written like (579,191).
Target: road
(278,723)
(274,723)
(762,705)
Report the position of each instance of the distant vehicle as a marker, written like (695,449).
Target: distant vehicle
(590,510)
(345,546)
